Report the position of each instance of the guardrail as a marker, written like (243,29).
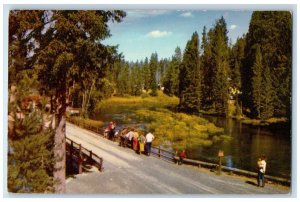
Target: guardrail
(172,157)
(82,155)
(97,130)
(164,154)
(237,171)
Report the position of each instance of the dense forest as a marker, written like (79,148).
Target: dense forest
(254,73)
(59,55)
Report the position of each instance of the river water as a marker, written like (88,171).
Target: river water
(247,143)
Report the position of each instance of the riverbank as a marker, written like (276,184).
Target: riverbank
(246,120)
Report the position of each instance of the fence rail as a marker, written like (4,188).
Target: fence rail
(97,130)
(83,155)
(164,154)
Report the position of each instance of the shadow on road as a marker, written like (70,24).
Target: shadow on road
(251,183)
(72,169)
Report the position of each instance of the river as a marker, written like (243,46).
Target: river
(247,143)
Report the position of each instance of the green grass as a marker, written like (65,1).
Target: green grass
(258,122)
(85,122)
(132,103)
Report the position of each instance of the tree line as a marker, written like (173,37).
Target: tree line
(255,72)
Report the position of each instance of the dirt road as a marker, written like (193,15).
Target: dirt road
(126,172)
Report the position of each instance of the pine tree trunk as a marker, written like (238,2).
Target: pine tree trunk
(60,157)
(59,173)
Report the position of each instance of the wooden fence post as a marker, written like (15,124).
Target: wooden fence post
(91,157)
(71,150)
(159,151)
(101,164)
(79,161)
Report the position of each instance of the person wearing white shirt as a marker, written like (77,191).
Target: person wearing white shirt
(149,139)
(262,164)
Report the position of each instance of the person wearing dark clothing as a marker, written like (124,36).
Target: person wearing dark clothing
(123,138)
(182,155)
(112,127)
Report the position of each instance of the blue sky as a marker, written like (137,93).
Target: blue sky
(143,32)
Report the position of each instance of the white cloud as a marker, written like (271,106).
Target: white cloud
(232,27)
(158,34)
(145,13)
(186,14)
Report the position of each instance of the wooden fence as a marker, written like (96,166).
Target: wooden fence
(82,156)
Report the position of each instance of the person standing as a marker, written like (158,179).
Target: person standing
(122,137)
(149,139)
(262,164)
(129,136)
(142,141)
(135,141)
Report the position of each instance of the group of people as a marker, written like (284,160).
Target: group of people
(131,137)
(137,141)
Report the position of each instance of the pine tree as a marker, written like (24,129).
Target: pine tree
(171,82)
(146,74)
(271,30)
(30,162)
(30,144)
(257,83)
(153,66)
(207,66)
(235,62)
(189,77)
(220,78)
(267,101)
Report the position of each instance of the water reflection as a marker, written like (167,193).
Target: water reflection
(249,142)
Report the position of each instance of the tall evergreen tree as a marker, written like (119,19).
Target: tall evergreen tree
(208,66)
(220,54)
(153,66)
(171,81)
(123,79)
(257,83)
(146,74)
(267,101)
(272,31)
(235,62)
(189,77)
